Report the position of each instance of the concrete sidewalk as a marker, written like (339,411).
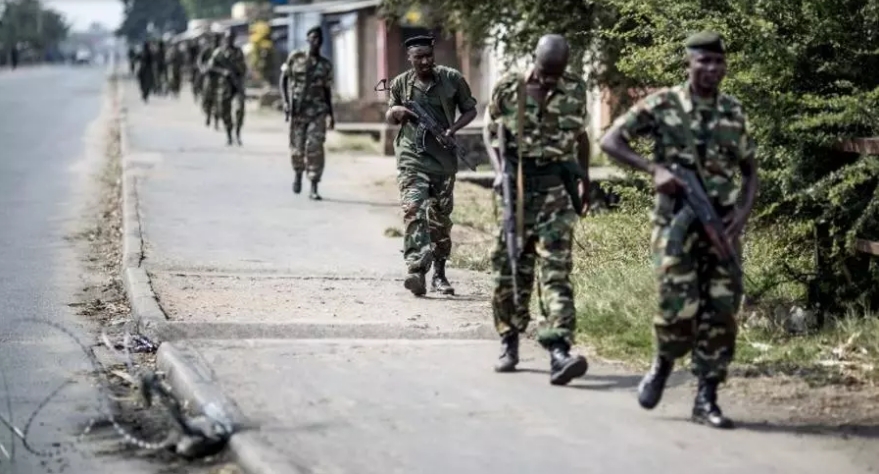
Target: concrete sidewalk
(291,314)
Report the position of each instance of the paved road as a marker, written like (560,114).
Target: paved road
(47,113)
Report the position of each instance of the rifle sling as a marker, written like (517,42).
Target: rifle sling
(520,182)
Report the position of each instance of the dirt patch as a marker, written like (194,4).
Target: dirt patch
(103,301)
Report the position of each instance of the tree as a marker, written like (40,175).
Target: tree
(26,22)
(160,15)
(208,8)
(804,70)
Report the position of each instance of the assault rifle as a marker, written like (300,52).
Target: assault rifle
(509,219)
(427,123)
(701,208)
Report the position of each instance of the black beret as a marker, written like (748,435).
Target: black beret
(706,41)
(419,41)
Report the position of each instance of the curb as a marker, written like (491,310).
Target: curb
(189,376)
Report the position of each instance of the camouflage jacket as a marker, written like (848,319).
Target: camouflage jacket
(549,135)
(308,78)
(719,129)
(229,59)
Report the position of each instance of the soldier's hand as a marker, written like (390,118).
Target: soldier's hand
(735,223)
(666,182)
(400,113)
(498,184)
(583,189)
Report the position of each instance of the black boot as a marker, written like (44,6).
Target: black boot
(439,282)
(563,366)
(651,386)
(705,409)
(207,122)
(238,135)
(314,195)
(229,136)
(297,183)
(415,283)
(509,353)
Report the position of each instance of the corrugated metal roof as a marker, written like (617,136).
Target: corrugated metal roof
(328,7)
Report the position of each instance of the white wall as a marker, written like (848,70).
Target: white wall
(345,62)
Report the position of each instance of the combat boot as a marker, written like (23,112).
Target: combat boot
(705,409)
(238,136)
(439,282)
(229,136)
(415,283)
(563,366)
(297,183)
(509,353)
(314,195)
(207,121)
(652,385)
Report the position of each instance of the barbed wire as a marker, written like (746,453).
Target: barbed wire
(190,437)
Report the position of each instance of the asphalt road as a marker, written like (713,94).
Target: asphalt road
(46,116)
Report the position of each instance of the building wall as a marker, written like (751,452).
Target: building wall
(345,60)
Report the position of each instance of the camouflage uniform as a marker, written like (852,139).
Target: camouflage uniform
(549,142)
(208,84)
(428,175)
(698,297)
(174,59)
(308,78)
(231,87)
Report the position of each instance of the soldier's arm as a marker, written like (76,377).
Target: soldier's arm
(638,120)
(395,100)
(747,151)
(466,105)
(490,129)
(328,92)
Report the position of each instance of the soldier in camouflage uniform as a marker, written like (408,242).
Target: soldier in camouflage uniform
(307,82)
(230,66)
(697,127)
(209,81)
(192,59)
(426,177)
(553,151)
(174,61)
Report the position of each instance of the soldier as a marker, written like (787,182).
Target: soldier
(694,126)
(160,82)
(132,56)
(144,61)
(306,83)
(174,60)
(426,177)
(543,113)
(229,64)
(192,51)
(209,81)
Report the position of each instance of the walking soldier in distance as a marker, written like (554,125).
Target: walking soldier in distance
(537,141)
(307,88)
(230,66)
(426,169)
(703,134)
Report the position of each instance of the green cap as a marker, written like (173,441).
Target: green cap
(706,41)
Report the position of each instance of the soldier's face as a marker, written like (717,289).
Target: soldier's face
(421,58)
(707,69)
(549,74)
(314,41)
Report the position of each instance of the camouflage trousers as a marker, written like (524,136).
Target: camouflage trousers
(226,96)
(209,96)
(307,137)
(697,304)
(546,250)
(427,201)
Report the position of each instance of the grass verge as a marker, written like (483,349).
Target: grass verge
(616,298)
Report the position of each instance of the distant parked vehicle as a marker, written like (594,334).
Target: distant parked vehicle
(82,56)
